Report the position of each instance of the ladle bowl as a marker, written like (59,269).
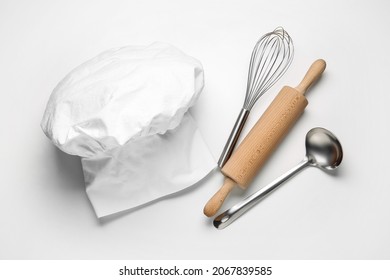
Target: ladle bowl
(323,149)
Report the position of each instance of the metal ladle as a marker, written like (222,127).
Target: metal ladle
(323,150)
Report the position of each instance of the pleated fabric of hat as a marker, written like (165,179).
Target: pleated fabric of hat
(125,112)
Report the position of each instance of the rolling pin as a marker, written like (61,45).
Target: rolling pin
(264,137)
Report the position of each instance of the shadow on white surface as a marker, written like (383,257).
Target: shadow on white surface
(70,179)
(69,169)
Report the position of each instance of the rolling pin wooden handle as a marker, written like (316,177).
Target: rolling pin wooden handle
(312,75)
(213,205)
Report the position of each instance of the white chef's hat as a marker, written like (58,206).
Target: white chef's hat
(125,112)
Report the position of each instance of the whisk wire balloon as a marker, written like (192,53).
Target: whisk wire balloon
(270,59)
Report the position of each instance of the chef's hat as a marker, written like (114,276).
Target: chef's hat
(125,112)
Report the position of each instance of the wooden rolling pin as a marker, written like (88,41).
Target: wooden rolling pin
(264,137)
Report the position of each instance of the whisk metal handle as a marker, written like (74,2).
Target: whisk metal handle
(233,138)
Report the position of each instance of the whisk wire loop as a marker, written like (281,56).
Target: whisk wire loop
(271,57)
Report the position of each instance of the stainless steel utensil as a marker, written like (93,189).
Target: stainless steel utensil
(323,150)
(271,57)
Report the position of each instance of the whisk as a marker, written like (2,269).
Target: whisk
(271,57)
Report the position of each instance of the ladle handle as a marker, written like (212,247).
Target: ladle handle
(227,217)
(312,75)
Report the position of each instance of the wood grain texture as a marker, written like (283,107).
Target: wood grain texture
(265,136)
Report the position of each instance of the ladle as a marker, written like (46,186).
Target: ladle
(323,150)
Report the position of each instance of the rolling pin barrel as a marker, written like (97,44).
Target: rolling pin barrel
(265,136)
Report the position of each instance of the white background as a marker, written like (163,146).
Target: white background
(44,211)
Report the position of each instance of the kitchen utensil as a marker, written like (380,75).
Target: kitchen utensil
(264,137)
(323,150)
(271,57)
